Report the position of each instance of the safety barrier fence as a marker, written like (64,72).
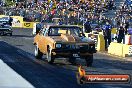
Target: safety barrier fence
(119,49)
(19,23)
(29,25)
(99,40)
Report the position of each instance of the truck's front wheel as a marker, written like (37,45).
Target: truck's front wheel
(50,56)
(89,60)
(38,53)
(10,34)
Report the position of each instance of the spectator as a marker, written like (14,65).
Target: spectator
(10,21)
(38,27)
(38,16)
(121,35)
(87,27)
(118,23)
(107,34)
(126,26)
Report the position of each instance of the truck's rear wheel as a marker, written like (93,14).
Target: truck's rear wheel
(89,60)
(49,56)
(38,53)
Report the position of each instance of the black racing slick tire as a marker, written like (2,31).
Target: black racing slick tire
(10,34)
(89,60)
(38,53)
(49,56)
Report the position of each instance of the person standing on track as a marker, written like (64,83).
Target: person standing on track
(121,34)
(126,26)
(10,21)
(107,34)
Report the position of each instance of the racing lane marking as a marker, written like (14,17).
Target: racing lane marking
(28,38)
(25,54)
(10,76)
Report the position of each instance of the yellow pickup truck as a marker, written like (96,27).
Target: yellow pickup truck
(56,41)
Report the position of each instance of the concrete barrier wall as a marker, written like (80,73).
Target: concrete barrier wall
(19,23)
(127,50)
(99,39)
(101,43)
(2,16)
(114,30)
(19,18)
(23,25)
(27,24)
(119,49)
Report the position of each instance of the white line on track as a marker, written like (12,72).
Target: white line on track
(28,38)
(11,79)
